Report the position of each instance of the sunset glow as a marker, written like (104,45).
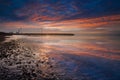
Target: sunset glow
(62,15)
(59,39)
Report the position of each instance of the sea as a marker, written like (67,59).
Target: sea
(88,57)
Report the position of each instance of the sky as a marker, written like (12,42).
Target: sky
(60,15)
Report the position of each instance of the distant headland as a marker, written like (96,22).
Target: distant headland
(64,34)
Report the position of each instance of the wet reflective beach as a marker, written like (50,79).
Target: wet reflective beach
(60,58)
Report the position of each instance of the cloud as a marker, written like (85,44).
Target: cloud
(59,13)
(75,23)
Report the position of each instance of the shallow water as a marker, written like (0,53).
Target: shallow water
(79,57)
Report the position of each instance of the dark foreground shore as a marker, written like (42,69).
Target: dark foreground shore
(2,38)
(18,62)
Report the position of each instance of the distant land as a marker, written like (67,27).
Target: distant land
(64,34)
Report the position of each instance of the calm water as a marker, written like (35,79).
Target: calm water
(80,57)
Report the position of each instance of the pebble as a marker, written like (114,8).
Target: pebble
(18,62)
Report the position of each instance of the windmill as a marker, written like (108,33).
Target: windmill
(41,30)
(19,31)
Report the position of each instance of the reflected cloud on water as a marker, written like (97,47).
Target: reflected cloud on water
(76,57)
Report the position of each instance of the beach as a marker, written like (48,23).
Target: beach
(18,62)
(58,58)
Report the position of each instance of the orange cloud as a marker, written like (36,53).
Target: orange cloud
(88,23)
(76,23)
(18,25)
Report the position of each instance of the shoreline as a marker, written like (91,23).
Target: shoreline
(62,34)
(19,62)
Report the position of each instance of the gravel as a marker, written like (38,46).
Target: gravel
(18,62)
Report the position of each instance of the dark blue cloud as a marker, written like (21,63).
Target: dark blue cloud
(20,10)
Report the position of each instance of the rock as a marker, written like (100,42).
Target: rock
(19,62)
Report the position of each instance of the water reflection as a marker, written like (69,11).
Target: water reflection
(76,57)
